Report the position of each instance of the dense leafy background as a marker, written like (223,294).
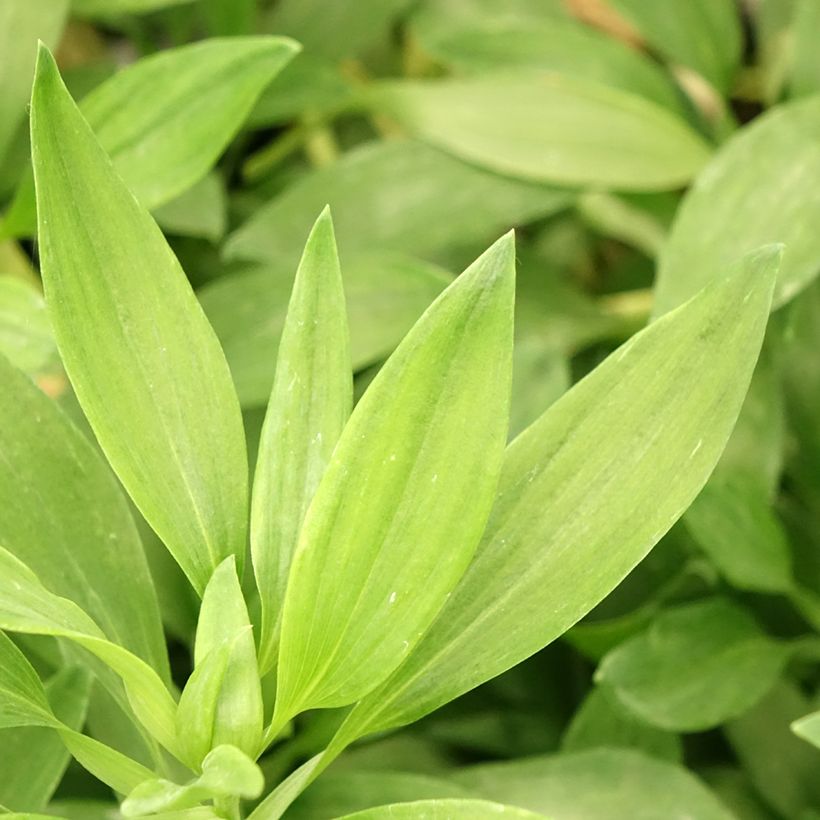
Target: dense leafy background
(640,150)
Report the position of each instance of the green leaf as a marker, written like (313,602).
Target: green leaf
(704,35)
(309,406)
(165,119)
(656,414)
(444,810)
(161,145)
(388,535)
(549,128)
(734,524)
(349,791)
(601,721)
(386,293)
(555,44)
(66,519)
(223,621)
(226,772)
(613,783)
(148,370)
(760,187)
(27,606)
(21,25)
(697,666)
(395,195)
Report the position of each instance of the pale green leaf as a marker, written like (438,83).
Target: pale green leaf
(697,666)
(310,403)
(165,119)
(161,145)
(580,488)
(703,35)
(223,620)
(396,195)
(148,370)
(66,519)
(452,809)
(385,294)
(760,187)
(228,771)
(27,606)
(616,784)
(549,128)
(33,759)
(21,26)
(388,534)
(735,526)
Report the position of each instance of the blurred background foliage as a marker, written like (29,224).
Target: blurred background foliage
(637,147)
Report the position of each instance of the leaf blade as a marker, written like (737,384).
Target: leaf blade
(171,425)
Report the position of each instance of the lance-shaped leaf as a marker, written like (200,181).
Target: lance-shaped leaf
(165,120)
(65,517)
(145,364)
(549,128)
(27,606)
(400,509)
(310,403)
(760,187)
(587,491)
(235,694)
(23,703)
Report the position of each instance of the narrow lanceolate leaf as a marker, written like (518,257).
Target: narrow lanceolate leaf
(400,509)
(595,482)
(166,119)
(26,606)
(309,406)
(145,364)
(235,697)
(65,517)
(761,186)
(549,128)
